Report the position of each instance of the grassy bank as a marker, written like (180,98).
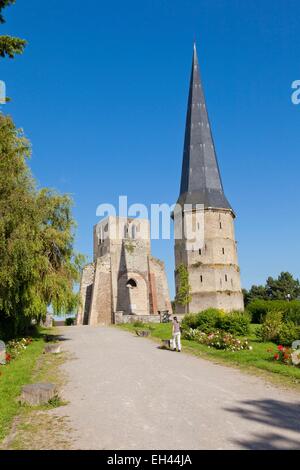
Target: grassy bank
(21,370)
(259,360)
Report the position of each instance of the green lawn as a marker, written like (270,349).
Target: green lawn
(257,360)
(12,376)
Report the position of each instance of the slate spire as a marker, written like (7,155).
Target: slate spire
(200,178)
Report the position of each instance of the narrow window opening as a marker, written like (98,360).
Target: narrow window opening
(133,232)
(131,283)
(200,252)
(201,278)
(226,278)
(223,251)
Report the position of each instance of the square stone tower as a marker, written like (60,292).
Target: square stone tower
(214,274)
(124,282)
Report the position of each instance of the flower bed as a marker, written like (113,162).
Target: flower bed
(288,356)
(15,347)
(218,339)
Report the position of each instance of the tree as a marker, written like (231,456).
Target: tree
(283,288)
(9,46)
(38,265)
(183,295)
(256,292)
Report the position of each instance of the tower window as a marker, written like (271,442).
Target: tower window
(101,235)
(223,251)
(226,278)
(220,225)
(131,283)
(200,252)
(133,232)
(201,278)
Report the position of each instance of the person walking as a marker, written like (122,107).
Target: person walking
(176,335)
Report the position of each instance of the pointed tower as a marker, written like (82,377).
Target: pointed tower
(214,274)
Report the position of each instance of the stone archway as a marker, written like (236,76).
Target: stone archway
(133,294)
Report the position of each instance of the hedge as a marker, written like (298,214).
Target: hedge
(290,311)
(209,320)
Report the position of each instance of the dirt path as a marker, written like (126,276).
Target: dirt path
(125,393)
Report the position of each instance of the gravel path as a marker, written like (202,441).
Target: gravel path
(125,393)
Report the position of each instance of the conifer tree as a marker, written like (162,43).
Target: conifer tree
(9,45)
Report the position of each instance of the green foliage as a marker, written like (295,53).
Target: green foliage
(285,287)
(189,321)
(270,327)
(69,321)
(9,46)
(38,266)
(256,292)
(138,324)
(183,295)
(208,320)
(14,375)
(129,247)
(236,323)
(212,319)
(4,4)
(292,312)
(288,332)
(258,309)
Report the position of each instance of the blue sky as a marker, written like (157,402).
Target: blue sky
(102,91)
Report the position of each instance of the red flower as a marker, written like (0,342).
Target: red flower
(276,357)
(8,357)
(280,348)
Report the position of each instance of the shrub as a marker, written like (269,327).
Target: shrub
(292,313)
(288,332)
(258,309)
(69,321)
(212,319)
(270,327)
(236,323)
(189,321)
(208,320)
